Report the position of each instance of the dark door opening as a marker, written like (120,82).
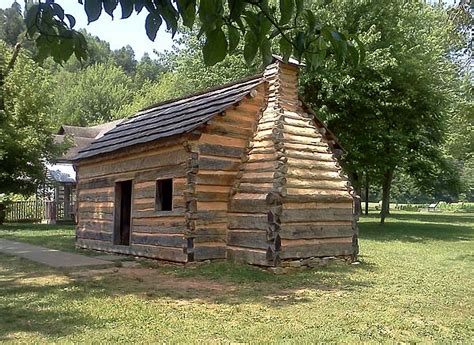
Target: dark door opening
(123,212)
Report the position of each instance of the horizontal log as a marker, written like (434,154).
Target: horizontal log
(172,240)
(213,178)
(98,210)
(203,252)
(304,173)
(222,140)
(249,256)
(338,184)
(209,196)
(102,191)
(217,127)
(249,205)
(316,250)
(310,215)
(154,252)
(294,231)
(153,213)
(95,226)
(248,221)
(212,206)
(99,197)
(248,239)
(220,150)
(310,164)
(324,157)
(159,229)
(95,215)
(96,183)
(209,215)
(170,156)
(208,163)
(262,188)
(170,171)
(94,235)
(169,219)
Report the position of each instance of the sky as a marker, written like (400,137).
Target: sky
(117,32)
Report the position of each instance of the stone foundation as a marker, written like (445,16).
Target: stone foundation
(289,266)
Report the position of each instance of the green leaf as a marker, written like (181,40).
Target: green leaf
(250,48)
(93,9)
(187,10)
(110,6)
(234,38)
(287,8)
(152,25)
(215,47)
(72,20)
(30,19)
(170,15)
(58,10)
(266,51)
(286,49)
(236,8)
(127,8)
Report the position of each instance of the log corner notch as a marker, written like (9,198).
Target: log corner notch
(291,200)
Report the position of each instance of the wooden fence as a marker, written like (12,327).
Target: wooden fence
(34,211)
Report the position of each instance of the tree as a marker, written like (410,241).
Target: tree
(93,95)
(185,74)
(223,23)
(391,111)
(11,24)
(25,124)
(125,58)
(149,69)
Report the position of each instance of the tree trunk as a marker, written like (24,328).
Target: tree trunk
(386,185)
(366,193)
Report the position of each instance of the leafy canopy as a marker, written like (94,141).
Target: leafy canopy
(224,23)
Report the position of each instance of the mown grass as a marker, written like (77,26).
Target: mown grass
(414,284)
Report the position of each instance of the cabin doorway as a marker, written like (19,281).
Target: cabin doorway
(123,212)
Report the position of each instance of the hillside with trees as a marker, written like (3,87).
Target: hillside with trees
(404,112)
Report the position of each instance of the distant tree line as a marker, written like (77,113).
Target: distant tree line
(404,114)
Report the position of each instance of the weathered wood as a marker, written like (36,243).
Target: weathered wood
(159,240)
(317,250)
(211,178)
(167,157)
(248,239)
(95,215)
(209,163)
(294,231)
(159,229)
(309,215)
(249,205)
(94,235)
(220,150)
(163,253)
(208,196)
(206,252)
(249,256)
(248,221)
(95,225)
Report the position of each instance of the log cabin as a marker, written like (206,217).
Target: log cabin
(244,172)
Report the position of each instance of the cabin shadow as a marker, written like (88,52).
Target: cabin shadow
(409,231)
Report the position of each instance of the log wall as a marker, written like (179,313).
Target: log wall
(220,149)
(156,234)
(291,200)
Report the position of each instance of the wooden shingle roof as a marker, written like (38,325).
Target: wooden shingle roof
(170,118)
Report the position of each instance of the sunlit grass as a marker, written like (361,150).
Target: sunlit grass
(414,284)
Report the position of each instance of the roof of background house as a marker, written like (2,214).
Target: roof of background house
(81,137)
(172,117)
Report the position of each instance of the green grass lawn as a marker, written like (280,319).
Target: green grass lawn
(414,284)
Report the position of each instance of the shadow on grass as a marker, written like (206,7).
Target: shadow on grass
(418,227)
(35,307)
